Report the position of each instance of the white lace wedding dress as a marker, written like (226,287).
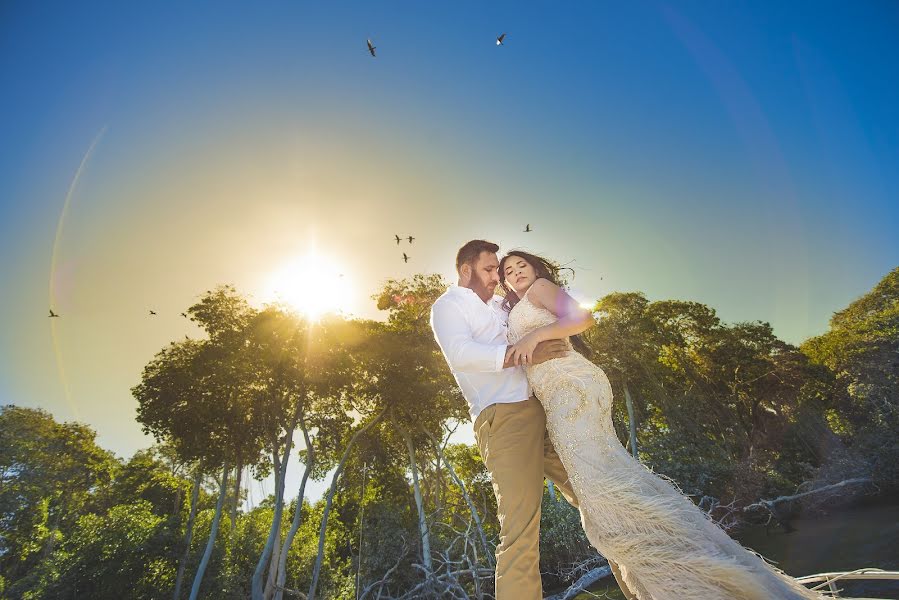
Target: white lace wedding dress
(666,547)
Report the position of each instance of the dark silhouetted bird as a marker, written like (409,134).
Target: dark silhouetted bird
(398,239)
(371,48)
(184,315)
(52,314)
(527,228)
(405,258)
(410,238)
(152,313)
(499,40)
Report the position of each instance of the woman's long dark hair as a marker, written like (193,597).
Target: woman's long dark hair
(546,269)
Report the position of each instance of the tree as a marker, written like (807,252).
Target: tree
(407,371)
(48,471)
(195,396)
(861,350)
(148,476)
(276,347)
(621,342)
(302,373)
(314,375)
(122,554)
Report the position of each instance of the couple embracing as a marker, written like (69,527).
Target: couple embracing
(542,410)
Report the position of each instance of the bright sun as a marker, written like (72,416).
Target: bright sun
(312,284)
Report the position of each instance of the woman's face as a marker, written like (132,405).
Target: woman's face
(519,274)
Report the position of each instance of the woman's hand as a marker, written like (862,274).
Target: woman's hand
(522,353)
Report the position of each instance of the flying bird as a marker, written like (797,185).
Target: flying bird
(527,228)
(499,40)
(152,313)
(398,239)
(410,238)
(52,314)
(371,48)
(184,315)
(405,258)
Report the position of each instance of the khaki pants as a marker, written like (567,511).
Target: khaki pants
(518,454)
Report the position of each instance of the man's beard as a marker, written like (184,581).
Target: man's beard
(483,291)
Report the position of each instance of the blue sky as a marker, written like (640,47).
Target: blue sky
(740,154)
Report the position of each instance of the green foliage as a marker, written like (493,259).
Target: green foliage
(724,410)
(123,554)
(48,471)
(861,350)
(714,402)
(147,477)
(562,538)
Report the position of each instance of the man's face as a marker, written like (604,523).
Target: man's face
(484,276)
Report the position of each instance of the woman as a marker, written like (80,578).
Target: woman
(666,547)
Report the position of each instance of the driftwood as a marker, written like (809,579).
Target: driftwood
(446,584)
(488,554)
(381,582)
(776,514)
(726,517)
(443,578)
(585,581)
(768,504)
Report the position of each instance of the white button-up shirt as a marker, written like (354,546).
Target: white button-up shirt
(472,336)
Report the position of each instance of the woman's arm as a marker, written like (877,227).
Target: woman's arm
(572,319)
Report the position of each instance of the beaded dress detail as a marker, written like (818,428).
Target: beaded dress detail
(666,547)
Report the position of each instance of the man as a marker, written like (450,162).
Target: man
(509,423)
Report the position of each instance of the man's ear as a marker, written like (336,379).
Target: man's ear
(465,272)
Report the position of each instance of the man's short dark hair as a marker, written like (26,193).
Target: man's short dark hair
(470,252)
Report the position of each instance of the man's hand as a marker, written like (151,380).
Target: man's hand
(544,351)
(549,350)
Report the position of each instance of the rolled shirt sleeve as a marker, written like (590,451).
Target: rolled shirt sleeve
(461,351)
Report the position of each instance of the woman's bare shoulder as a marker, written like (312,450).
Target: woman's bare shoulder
(542,292)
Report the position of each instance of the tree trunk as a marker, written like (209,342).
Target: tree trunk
(176,505)
(361,527)
(281,579)
(280,476)
(440,485)
(238,478)
(189,534)
(471,507)
(632,420)
(198,578)
(316,570)
(424,535)
(273,566)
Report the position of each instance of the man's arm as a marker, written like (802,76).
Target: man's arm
(460,350)
(546,350)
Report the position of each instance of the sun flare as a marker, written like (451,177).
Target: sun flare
(311,284)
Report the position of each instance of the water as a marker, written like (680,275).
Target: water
(841,541)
